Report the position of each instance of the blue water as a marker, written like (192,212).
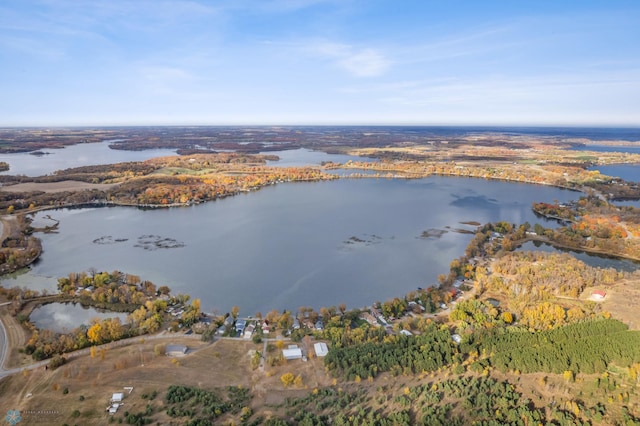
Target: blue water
(350,241)
(628,172)
(630,149)
(630,134)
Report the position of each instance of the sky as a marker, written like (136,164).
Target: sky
(279,62)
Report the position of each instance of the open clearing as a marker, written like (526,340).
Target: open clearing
(40,394)
(622,301)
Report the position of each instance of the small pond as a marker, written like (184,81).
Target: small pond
(64,317)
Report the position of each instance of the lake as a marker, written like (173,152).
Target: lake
(302,157)
(630,149)
(353,241)
(64,317)
(99,153)
(591,259)
(86,154)
(628,172)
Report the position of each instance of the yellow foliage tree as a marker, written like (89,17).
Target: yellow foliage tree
(507,317)
(568,375)
(94,332)
(287,379)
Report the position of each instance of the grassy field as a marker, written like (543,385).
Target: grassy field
(79,392)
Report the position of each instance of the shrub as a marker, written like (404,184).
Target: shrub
(57,361)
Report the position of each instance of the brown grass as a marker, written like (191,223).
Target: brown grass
(623,300)
(210,366)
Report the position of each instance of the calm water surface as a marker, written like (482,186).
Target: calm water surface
(631,149)
(87,154)
(289,245)
(64,317)
(100,153)
(588,258)
(303,157)
(628,172)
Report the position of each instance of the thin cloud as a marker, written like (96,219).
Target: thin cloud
(359,62)
(366,63)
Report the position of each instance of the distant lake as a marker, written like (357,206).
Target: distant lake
(591,259)
(64,317)
(628,203)
(631,149)
(89,154)
(628,172)
(353,241)
(86,154)
(303,157)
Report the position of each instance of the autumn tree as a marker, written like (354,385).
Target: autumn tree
(94,333)
(287,379)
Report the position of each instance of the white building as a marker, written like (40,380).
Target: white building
(321,349)
(292,353)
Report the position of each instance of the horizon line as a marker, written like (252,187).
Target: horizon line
(337,124)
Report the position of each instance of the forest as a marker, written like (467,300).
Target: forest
(409,355)
(585,347)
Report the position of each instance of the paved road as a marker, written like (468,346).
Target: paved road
(4,346)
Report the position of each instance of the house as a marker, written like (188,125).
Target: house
(112,409)
(117,397)
(240,325)
(175,350)
(366,316)
(249,331)
(376,312)
(292,352)
(321,349)
(598,295)
(228,321)
(413,306)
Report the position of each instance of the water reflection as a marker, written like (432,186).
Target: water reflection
(65,317)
